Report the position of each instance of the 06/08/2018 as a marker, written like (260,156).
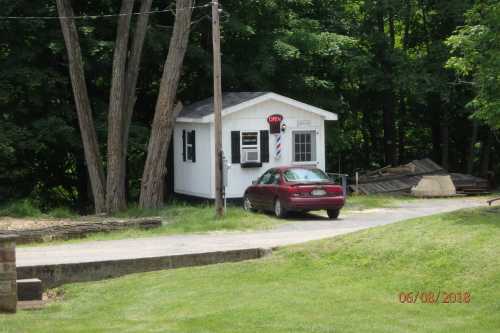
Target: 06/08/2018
(431,297)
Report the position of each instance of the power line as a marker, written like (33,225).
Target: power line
(93,17)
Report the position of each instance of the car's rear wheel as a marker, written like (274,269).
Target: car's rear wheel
(333,214)
(247,204)
(279,210)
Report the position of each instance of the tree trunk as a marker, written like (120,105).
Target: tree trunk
(132,77)
(434,108)
(387,94)
(402,128)
(83,109)
(445,142)
(485,154)
(115,194)
(153,178)
(471,150)
(402,98)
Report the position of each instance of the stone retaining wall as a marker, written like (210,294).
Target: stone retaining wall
(8,276)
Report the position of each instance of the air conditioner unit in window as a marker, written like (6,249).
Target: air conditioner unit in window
(250,156)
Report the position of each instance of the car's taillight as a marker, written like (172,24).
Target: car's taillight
(293,190)
(335,191)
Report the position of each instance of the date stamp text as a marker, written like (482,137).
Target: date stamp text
(435,297)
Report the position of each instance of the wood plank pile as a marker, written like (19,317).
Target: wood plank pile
(402,178)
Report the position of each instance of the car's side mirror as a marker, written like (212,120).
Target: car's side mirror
(254,182)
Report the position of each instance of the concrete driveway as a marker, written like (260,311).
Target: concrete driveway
(298,230)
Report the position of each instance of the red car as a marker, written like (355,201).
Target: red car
(286,189)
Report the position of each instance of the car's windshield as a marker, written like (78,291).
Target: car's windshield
(305,175)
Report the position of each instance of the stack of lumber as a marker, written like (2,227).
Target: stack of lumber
(402,178)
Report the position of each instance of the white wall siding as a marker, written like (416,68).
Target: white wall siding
(193,178)
(198,179)
(255,119)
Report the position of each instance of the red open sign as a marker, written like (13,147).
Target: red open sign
(275,118)
(274,123)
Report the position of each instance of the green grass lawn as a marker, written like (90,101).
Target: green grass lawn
(363,202)
(346,284)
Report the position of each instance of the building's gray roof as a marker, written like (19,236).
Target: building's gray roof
(206,107)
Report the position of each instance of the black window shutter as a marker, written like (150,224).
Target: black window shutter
(184,145)
(264,146)
(235,147)
(193,141)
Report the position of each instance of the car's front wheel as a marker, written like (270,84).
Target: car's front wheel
(279,210)
(333,214)
(247,204)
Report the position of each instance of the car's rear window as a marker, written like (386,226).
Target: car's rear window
(305,175)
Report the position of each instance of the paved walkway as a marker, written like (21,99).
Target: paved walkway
(297,231)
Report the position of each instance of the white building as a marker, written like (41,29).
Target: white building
(247,140)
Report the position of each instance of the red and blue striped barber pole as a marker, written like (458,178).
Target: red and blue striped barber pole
(278,146)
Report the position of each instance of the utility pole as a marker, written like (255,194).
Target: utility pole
(219,204)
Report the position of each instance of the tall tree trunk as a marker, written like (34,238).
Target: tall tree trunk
(115,194)
(402,128)
(83,108)
(445,143)
(133,67)
(471,150)
(153,178)
(402,97)
(486,153)
(434,105)
(387,94)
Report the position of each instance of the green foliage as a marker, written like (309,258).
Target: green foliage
(61,213)
(353,57)
(476,49)
(21,208)
(350,283)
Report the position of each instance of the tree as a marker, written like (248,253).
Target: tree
(476,49)
(153,179)
(121,102)
(82,102)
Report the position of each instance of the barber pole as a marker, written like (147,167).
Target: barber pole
(275,129)
(278,147)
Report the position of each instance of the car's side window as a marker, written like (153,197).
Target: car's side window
(265,179)
(275,179)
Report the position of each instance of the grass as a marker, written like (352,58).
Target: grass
(27,209)
(362,202)
(346,284)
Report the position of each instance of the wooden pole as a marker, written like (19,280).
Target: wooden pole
(219,204)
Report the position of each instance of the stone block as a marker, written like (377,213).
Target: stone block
(6,287)
(8,275)
(8,303)
(7,254)
(434,186)
(29,290)
(7,267)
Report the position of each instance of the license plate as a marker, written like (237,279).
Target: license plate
(318,193)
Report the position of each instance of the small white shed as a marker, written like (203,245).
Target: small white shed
(260,130)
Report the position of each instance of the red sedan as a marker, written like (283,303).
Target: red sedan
(286,189)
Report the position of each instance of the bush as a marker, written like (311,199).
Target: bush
(61,213)
(21,208)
